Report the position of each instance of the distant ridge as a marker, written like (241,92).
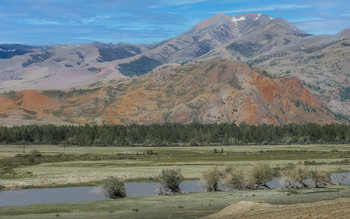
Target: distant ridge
(344,33)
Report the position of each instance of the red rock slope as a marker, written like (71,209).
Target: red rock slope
(215,92)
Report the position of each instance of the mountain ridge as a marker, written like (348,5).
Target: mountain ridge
(320,62)
(115,61)
(219,91)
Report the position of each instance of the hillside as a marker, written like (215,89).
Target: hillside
(67,66)
(263,38)
(215,92)
(320,62)
(344,33)
(62,66)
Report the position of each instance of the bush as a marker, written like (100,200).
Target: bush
(171,179)
(2,187)
(114,188)
(295,174)
(301,174)
(211,179)
(34,153)
(237,178)
(262,174)
(321,178)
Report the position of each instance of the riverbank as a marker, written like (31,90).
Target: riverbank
(81,166)
(67,166)
(192,205)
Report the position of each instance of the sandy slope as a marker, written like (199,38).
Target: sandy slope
(338,208)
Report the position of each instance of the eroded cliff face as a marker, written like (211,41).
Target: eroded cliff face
(219,91)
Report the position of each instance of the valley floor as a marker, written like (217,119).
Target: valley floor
(59,166)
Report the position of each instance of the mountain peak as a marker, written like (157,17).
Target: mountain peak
(216,20)
(245,23)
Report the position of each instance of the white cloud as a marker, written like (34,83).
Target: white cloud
(266,8)
(174,3)
(317,26)
(43,22)
(185,2)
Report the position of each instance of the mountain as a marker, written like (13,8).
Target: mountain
(68,66)
(61,66)
(344,33)
(320,62)
(219,91)
(8,51)
(263,38)
(207,35)
(199,40)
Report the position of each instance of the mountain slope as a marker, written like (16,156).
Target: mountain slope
(322,62)
(344,33)
(61,66)
(204,37)
(215,92)
(263,38)
(68,66)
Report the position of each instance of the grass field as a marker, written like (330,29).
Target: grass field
(59,166)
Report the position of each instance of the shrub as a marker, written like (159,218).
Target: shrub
(262,174)
(287,177)
(114,188)
(295,174)
(171,179)
(34,153)
(2,187)
(301,174)
(321,178)
(211,179)
(237,178)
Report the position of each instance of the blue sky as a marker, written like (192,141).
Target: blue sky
(41,22)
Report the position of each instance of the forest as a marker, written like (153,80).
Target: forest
(176,134)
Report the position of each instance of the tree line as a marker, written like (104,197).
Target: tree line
(175,134)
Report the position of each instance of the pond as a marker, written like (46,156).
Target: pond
(95,193)
(84,193)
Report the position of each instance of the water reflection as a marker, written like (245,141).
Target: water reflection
(95,193)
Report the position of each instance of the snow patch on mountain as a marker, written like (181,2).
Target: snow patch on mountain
(257,17)
(7,50)
(235,20)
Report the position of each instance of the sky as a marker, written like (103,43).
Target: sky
(43,22)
